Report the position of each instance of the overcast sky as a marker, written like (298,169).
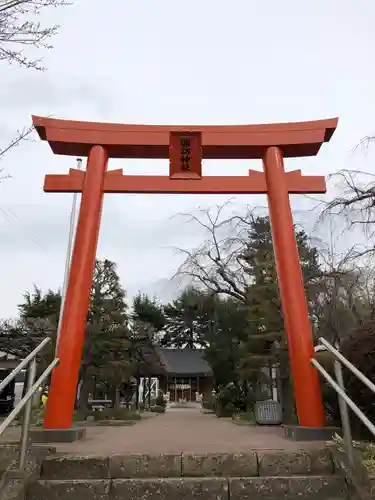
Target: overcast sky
(172,62)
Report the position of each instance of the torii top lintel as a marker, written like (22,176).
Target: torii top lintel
(185,146)
(76,138)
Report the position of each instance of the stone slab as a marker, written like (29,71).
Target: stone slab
(360,484)
(219,465)
(173,489)
(13,490)
(75,467)
(280,463)
(13,480)
(288,488)
(115,423)
(9,453)
(57,435)
(69,490)
(298,433)
(145,466)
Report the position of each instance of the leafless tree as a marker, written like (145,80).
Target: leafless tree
(357,198)
(20,29)
(219,263)
(344,299)
(355,205)
(344,295)
(21,135)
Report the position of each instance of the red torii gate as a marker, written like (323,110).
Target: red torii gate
(185,146)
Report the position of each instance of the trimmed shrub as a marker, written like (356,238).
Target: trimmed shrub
(208,405)
(157,409)
(225,411)
(116,414)
(232,398)
(247,417)
(160,401)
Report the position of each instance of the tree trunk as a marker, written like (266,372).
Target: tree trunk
(137,392)
(85,391)
(287,394)
(112,394)
(245,389)
(144,392)
(149,392)
(117,398)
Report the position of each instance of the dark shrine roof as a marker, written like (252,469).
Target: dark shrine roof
(184,362)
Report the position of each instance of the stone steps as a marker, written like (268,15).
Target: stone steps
(189,465)
(205,488)
(255,475)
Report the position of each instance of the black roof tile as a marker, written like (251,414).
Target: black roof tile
(184,362)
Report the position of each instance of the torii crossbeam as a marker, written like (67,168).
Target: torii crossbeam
(185,146)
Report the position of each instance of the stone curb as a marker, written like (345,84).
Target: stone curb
(252,464)
(219,464)
(204,488)
(306,487)
(68,490)
(360,485)
(13,481)
(75,467)
(144,466)
(316,462)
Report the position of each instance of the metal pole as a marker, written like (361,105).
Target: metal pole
(27,416)
(348,364)
(23,363)
(346,430)
(68,256)
(362,417)
(20,406)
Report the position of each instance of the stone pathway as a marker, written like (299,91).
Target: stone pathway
(179,431)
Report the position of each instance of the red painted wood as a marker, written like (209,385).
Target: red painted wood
(269,142)
(305,378)
(62,393)
(75,138)
(255,183)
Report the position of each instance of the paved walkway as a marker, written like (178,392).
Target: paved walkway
(179,431)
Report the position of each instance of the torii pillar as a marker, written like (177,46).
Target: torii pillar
(185,147)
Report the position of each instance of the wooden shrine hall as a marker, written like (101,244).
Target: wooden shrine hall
(182,373)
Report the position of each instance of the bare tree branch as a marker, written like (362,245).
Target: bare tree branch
(357,200)
(21,135)
(364,143)
(20,29)
(219,263)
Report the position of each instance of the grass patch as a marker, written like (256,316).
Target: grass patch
(368,455)
(116,414)
(107,414)
(83,417)
(365,448)
(245,418)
